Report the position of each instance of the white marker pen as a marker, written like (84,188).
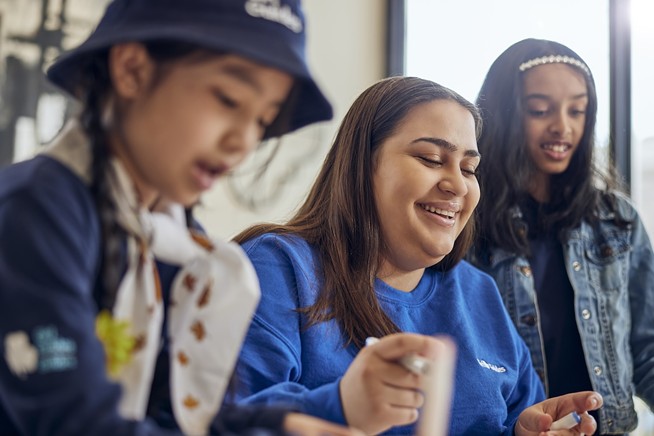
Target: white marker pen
(567,422)
(412,362)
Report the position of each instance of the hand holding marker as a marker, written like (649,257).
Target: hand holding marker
(567,422)
(414,363)
(437,386)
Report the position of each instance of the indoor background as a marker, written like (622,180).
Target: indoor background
(351,44)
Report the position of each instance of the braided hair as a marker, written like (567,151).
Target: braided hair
(95,92)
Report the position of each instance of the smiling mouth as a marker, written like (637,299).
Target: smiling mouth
(556,147)
(447,214)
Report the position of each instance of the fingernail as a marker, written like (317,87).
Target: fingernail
(594,401)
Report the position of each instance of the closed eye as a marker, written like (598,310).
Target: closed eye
(469,172)
(430,162)
(226,100)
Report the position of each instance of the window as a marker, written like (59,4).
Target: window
(642,112)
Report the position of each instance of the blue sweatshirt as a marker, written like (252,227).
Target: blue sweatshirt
(52,372)
(283,361)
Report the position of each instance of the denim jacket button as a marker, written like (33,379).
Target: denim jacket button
(598,370)
(585,314)
(526,271)
(576,266)
(529,320)
(606,251)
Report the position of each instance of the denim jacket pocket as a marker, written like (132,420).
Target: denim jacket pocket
(608,262)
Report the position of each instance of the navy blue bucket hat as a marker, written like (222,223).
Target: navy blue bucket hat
(270,32)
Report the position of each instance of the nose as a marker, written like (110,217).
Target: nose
(453,182)
(560,124)
(242,138)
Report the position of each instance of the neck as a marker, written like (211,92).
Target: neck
(405,281)
(539,187)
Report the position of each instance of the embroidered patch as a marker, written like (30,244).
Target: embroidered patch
(20,354)
(56,353)
(490,366)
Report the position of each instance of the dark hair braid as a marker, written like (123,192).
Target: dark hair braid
(96,88)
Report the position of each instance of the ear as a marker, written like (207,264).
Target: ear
(131,69)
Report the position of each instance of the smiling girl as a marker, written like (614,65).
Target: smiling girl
(375,251)
(569,252)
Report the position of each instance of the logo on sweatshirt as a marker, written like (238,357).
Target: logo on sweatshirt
(273,10)
(490,366)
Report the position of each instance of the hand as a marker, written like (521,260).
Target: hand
(377,392)
(305,425)
(537,419)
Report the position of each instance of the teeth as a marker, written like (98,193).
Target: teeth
(447,213)
(558,148)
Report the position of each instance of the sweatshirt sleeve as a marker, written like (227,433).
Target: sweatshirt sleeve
(528,390)
(270,366)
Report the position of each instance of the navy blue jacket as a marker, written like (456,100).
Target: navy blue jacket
(52,370)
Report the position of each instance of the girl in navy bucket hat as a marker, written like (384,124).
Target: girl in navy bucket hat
(119,315)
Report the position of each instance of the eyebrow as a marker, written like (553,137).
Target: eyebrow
(446,145)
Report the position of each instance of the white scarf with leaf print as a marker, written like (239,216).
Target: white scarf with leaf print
(212,299)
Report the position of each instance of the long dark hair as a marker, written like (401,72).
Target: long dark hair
(507,170)
(339,216)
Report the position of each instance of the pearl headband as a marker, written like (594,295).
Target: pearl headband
(554,59)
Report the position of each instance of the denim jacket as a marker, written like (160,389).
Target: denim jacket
(611,270)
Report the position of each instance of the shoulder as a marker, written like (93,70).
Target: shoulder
(49,227)
(46,183)
(283,258)
(475,288)
(469,275)
(275,244)
(617,203)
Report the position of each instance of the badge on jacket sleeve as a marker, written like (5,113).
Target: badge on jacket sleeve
(21,356)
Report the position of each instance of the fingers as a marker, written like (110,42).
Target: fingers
(587,424)
(587,400)
(393,373)
(395,346)
(376,391)
(394,414)
(404,398)
(579,402)
(539,417)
